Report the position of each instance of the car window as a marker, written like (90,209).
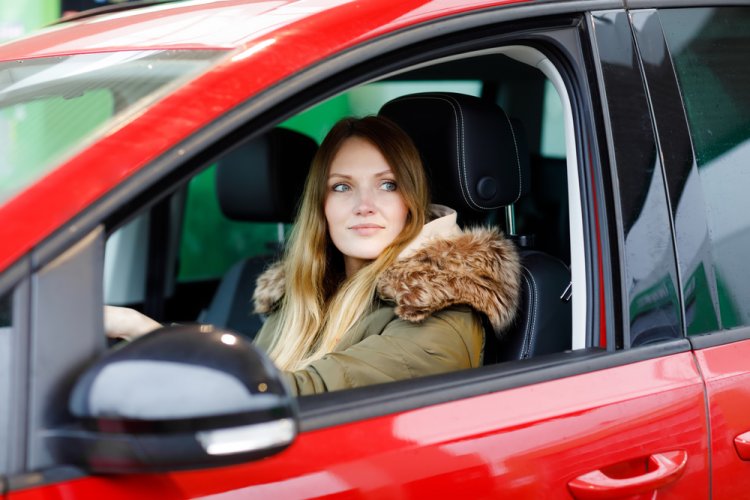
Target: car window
(203,249)
(544,212)
(553,136)
(44,128)
(367,100)
(210,243)
(203,255)
(53,105)
(710,54)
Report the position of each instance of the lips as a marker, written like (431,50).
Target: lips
(366,229)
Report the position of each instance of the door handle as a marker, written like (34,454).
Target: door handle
(664,468)
(742,445)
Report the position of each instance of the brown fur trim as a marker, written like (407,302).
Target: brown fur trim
(269,289)
(479,268)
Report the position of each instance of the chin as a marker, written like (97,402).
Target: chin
(366,254)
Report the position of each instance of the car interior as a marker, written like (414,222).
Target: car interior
(496,142)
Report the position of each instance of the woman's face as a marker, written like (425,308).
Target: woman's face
(364,209)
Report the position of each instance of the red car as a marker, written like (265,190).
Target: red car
(152,157)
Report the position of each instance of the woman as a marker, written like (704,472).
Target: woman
(376,285)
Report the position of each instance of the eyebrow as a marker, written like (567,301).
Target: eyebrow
(384,173)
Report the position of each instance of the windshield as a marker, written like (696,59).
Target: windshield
(50,107)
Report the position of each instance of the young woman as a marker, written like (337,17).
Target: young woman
(376,284)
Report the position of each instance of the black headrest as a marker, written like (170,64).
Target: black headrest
(262,180)
(472,153)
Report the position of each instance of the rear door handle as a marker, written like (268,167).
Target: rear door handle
(742,445)
(663,469)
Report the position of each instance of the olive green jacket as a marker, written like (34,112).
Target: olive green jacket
(384,348)
(426,319)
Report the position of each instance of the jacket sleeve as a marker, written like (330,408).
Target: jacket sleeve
(448,340)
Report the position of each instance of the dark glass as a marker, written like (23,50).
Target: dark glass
(6,311)
(710,50)
(650,281)
(690,226)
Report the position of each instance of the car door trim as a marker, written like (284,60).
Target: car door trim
(652,4)
(326,410)
(717,338)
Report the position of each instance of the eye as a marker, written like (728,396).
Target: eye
(340,187)
(388,186)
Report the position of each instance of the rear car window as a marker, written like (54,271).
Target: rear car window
(203,256)
(50,107)
(710,49)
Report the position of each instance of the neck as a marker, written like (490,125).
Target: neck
(352,265)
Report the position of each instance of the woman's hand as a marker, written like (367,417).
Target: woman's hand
(126,323)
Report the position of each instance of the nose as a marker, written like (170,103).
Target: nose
(364,204)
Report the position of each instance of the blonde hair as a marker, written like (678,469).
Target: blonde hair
(320,304)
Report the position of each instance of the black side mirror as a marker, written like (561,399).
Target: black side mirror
(178,398)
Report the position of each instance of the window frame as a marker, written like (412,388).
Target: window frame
(561,41)
(16,284)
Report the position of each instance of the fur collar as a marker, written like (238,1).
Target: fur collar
(475,267)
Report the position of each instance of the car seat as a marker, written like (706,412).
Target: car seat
(260,181)
(478,163)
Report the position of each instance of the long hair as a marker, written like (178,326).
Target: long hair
(320,304)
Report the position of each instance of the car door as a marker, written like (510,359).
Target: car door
(703,100)
(622,415)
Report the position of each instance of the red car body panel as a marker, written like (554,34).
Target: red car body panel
(528,442)
(725,369)
(299,40)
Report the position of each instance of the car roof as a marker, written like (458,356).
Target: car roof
(220,24)
(183,25)
(268,41)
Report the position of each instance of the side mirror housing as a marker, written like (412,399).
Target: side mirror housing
(180,397)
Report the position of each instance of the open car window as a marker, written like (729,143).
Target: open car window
(198,245)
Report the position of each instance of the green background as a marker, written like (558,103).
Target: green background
(17,18)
